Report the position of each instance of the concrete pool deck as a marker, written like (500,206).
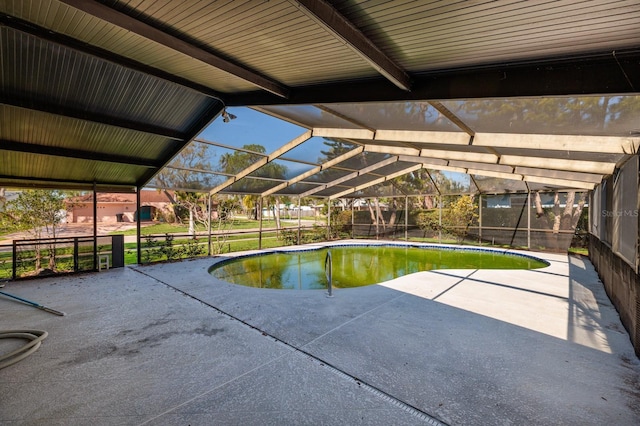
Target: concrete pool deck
(167,344)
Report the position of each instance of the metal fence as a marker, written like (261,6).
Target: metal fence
(541,221)
(551,221)
(30,258)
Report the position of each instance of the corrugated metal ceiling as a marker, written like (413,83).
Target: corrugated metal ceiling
(462,33)
(120,87)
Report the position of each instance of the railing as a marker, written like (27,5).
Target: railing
(171,247)
(6,265)
(328,270)
(50,256)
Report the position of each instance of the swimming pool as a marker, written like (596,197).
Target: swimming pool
(357,265)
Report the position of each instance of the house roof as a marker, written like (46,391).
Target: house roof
(103,94)
(120,198)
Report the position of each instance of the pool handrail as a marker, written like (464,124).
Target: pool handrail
(329,273)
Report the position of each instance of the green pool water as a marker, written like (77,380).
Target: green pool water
(356,266)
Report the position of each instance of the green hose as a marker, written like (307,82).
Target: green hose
(35,338)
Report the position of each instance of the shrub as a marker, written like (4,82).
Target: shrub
(192,248)
(428,221)
(461,214)
(340,223)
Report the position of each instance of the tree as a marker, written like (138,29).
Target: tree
(225,208)
(340,226)
(249,203)
(196,204)
(181,176)
(336,147)
(39,213)
(461,214)
(240,160)
(557,218)
(428,222)
(419,182)
(593,114)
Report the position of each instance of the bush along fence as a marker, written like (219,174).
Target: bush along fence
(169,248)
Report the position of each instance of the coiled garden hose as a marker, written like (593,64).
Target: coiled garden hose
(35,338)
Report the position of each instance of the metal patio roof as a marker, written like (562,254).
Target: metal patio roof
(105,93)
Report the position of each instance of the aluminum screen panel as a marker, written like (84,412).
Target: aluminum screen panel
(328,175)
(281,169)
(572,115)
(251,127)
(625,211)
(397,115)
(319,150)
(489,184)
(310,116)
(249,186)
(297,188)
(453,182)
(363,160)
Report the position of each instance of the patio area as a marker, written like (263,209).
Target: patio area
(167,344)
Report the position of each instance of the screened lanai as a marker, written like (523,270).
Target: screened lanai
(420,155)
(390,106)
(354,150)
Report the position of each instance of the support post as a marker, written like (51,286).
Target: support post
(75,254)
(138,228)
(377,218)
(480,219)
(328,219)
(209,223)
(637,259)
(440,218)
(406,218)
(529,220)
(95,228)
(353,218)
(328,270)
(260,230)
(299,217)
(515,231)
(14,261)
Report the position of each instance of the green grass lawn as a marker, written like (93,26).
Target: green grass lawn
(238,225)
(579,250)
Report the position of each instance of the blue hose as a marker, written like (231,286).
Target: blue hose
(29,302)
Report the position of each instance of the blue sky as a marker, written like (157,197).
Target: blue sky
(251,127)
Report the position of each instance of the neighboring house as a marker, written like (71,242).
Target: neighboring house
(362,204)
(117,207)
